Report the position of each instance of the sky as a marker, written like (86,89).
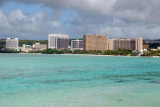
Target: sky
(35,19)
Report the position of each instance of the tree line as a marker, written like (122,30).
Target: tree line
(107,52)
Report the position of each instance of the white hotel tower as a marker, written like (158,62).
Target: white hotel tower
(58,41)
(76,45)
(12,43)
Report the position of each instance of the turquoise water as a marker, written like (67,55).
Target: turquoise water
(34,80)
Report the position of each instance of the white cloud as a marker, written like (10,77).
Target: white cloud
(18,24)
(138,10)
(3,21)
(115,18)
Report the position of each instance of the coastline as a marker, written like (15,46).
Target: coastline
(93,55)
(84,54)
(107,55)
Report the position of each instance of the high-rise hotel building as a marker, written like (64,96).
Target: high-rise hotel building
(95,42)
(102,43)
(76,45)
(128,44)
(58,41)
(115,44)
(12,44)
(139,43)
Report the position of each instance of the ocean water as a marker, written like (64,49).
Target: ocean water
(35,80)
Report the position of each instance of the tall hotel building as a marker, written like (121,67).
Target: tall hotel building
(128,44)
(58,41)
(76,45)
(139,43)
(95,42)
(12,44)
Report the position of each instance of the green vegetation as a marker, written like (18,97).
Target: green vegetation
(118,52)
(153,45)
(31,42)
(9,51)
(50,51)
(35,51)
(2,43)
(96,52)
(151,53)
(108,52)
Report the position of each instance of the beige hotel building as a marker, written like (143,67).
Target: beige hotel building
(97,42)
(128,44)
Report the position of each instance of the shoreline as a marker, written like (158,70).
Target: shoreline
(83,54)
(114,55)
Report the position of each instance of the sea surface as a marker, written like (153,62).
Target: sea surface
(35,80)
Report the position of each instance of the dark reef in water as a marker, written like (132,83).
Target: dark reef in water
(147,76)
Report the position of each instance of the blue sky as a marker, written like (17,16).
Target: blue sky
(30,9)
(35,19)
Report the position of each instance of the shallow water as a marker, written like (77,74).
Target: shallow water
(34,80)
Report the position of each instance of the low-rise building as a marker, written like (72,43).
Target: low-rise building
(39,47)
(26,48)
(145,46)
(34,47)
(136,53)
